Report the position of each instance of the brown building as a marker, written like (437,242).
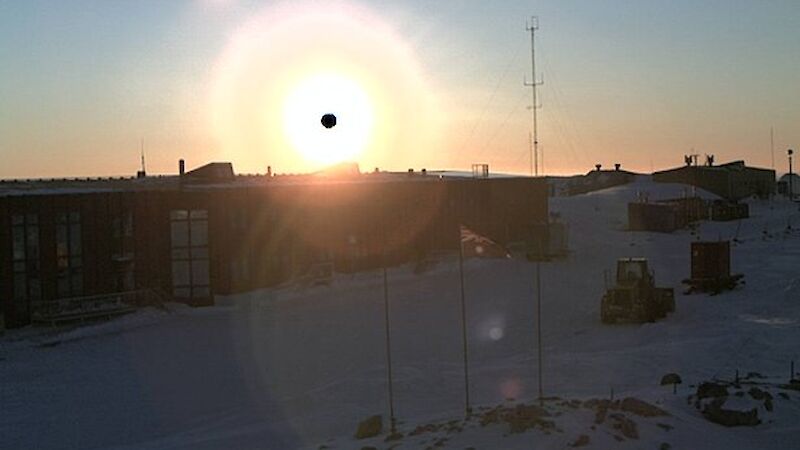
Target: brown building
(212,232)
(732,181)
(598,179)
(661,217)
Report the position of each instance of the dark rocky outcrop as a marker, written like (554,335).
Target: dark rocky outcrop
(641,408)
(370,427)
(714,412)
(671,378)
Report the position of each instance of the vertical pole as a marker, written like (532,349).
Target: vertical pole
(772,146)
(141,150)
(539,319)
(791,375)
(791,187)
(535,106)
(530,148)
(388,347)
(467,407)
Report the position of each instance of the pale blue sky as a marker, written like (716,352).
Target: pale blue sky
(636,82)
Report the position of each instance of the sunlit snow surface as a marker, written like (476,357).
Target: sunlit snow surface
(300,367)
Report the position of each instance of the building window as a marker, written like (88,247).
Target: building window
(69,248)
(189,236)
(25,260)
(123,252)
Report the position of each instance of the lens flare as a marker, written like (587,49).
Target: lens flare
(292,63)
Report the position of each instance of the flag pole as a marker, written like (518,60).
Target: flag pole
(388,346)
(467,409)
(539,318)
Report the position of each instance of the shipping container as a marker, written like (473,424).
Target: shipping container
(711,260)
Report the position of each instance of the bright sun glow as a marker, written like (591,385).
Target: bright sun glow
(315,96)
(293,62)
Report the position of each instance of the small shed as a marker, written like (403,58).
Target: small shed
(661,217)
(722,211)
(689,209)
(711,268)
(711,259)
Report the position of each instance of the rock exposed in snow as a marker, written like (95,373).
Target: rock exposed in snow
(714,412)
(369,427)
(671,378)
(582,441)
(641,408)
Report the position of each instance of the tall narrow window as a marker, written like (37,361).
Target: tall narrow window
(123,251)
(189,236)
(69,248)
(25,261)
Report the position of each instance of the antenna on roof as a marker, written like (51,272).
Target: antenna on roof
(143,172)
(772,146)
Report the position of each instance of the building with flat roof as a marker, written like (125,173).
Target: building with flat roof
(210,231)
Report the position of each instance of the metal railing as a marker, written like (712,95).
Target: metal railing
(84,307)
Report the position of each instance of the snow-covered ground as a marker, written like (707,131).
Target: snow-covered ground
(301,367)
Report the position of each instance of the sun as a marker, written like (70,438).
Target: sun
(291,63)
(328,93)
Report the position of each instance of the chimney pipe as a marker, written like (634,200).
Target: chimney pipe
(617,166)
(181,167)
(269,171)
(598,166)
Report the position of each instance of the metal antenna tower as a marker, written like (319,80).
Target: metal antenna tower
(772,146)
(532,27)
(141,151)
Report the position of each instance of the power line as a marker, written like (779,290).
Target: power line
(493,95)
(502,124)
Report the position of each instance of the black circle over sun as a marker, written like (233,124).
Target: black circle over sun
(328,120)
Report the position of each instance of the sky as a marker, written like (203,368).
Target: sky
(85,84)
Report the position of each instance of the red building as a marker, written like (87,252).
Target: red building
(210,231)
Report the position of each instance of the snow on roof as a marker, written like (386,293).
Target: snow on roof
(465,174)
(68,186)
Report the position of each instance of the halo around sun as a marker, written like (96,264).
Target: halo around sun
(293,63)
